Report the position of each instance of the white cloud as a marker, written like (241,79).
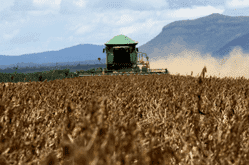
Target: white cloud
(23,5)
(80,3)
(47,2)
(6,4)
(11,35)
(51,6)
(128,30)
(196,11)
(150,3)
(25,38)
(237,3)
(125,19)
(84,29)
(71,38)
(41,13)
(145,26)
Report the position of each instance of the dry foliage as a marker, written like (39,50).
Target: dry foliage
(124,120)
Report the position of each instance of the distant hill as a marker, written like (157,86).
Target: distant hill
(215,34)
(83,54)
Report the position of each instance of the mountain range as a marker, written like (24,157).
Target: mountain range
(215,34)
(79,54)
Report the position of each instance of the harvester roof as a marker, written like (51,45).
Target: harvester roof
(121,40)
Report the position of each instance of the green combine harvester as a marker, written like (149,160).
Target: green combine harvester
(122,57)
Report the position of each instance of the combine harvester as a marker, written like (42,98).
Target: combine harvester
(123,58)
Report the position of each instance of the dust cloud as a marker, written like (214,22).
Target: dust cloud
(234,65)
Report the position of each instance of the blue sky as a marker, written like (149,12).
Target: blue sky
(30,26)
